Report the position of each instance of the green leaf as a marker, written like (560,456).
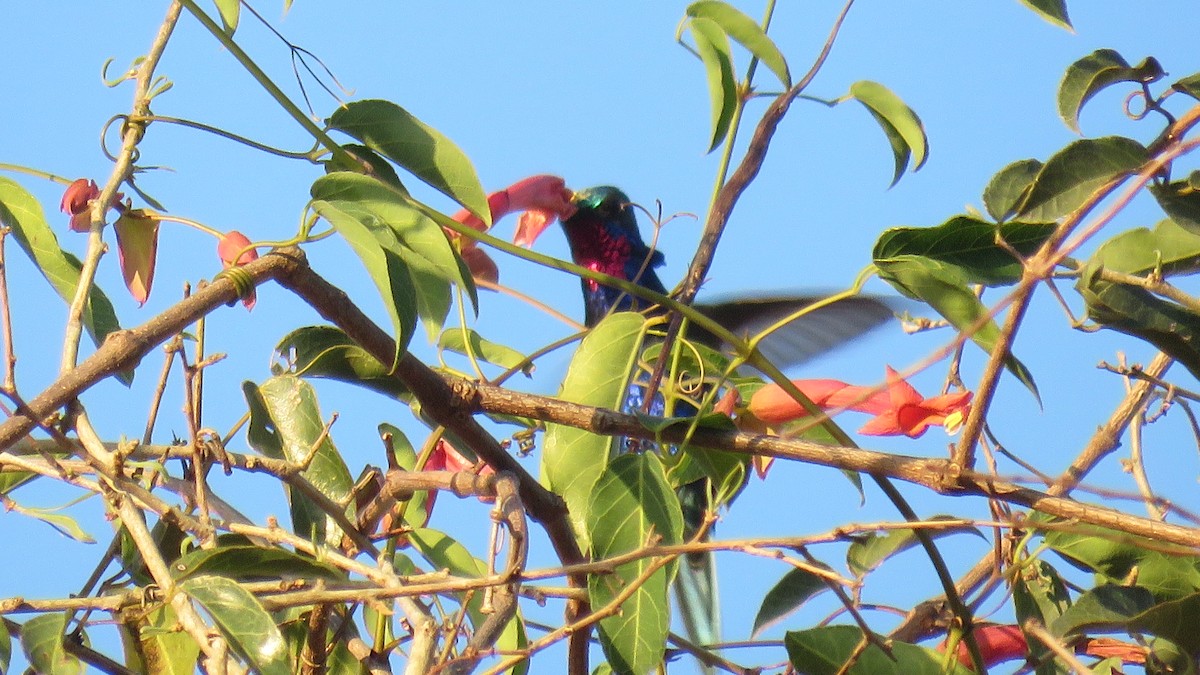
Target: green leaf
(242,620)
(11,480)
(1132,310)
(1103,608)
(713,47)
(163,648)
(1070,177)
(42,642)
(630,503)
(326,351)
(469,343)
(364,205)
(746,32)
(417,512)
(823,651)
(1008,187)
(944,287)
(1189,85)
(786,596)
(286,423)
(65,525)
(21,212)
(1180,201)
(420,149)
(1089,75)
(5,648)
(1054,11)
(248,562)
(1115,556)
(969,246)
(904,129)
(1040,595)
(1168,249)
(867,552)
(367,162)
(572,459)
(230,10)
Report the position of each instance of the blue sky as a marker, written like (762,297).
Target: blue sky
(598,93)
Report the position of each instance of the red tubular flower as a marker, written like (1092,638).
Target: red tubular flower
(997,643)
(228,248)
(899,410)
(76,201)
(542,199)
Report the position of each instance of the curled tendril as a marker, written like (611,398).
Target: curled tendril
(242,282)
(1146,105)
(129,74)
(104,135)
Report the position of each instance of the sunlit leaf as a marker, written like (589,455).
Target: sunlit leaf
(42,642)
(713,47)
(572,459)
(326,351)
(746,32)
(1091,74)
(904,129)
(21,212)
(1114,556)
(229,10)
(367,162)
(1133,310)
(824,651)
(467,342)
(869,551)
(163,648)
(1168,249)
(1070,177)
(1008,187)
(66,525)
(248,562)
(396,134)
(630,503)
(1054,11)
(1181,201)
(786,596)
(1189,85)
(242,620)
(286,423)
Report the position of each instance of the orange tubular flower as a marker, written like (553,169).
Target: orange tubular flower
(997,643)
(228,248)
(899,410)
(543,199)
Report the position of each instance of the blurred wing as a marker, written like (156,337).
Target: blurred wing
(803,339)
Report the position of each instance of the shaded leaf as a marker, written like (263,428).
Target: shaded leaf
(248,562)
(1070,177)
(823,651)
(1168,248)
(1115,556)
(1132,310)
(1091,74)
(713,47)
(242,620)
(21,212)
(469,343)
(969,246)
(630,504)
(1189,85)
(5,648)
(286,423)
(1039,595)
(416,514)
(867,552)
(1008,187)
(367,162)
(786,596)
(746,32)
(1054,11)
(42,642)
(396,134)
(904,129)
(326,351)
(1181,202)
(1102,608)
(137,248)
(572,459)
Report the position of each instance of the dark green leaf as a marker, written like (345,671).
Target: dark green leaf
(944,287)
(1070,177)
(1089,75)
(1054,11)
(21,212)
(904,129)
(367,162)
(969,246)
(1189,85)
(1132,310)
(786,596)
(42,642)
(868,552)
(242,620)
(1181,202)
(286,423)
(244,563)
(746,32)
(572,459)
(1008,187)
(630,503)
(1039,595)
(1103,608)
(394,133)
(326,351)
(713,47)
(5,648)
(823,651)
(1168,249)
(469,343)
